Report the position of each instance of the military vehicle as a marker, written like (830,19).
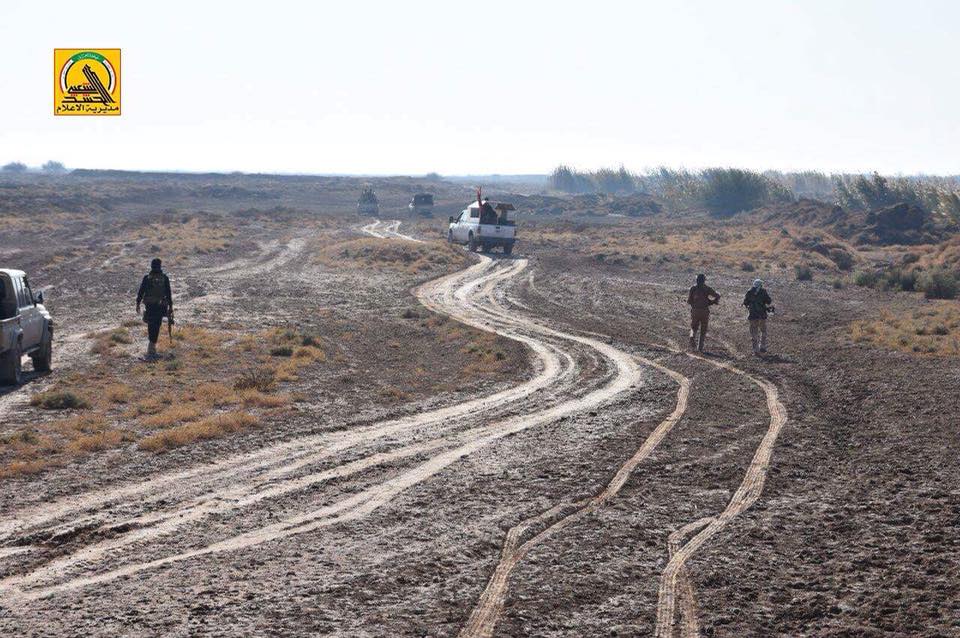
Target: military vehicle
(368,203)
(422,205)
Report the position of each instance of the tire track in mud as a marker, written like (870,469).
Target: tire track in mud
(485,614)
(293,455)
(451,295)
(675,585)
(390,230)
(371,229)
(676,588)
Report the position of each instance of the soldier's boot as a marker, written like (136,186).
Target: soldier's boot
(151,350)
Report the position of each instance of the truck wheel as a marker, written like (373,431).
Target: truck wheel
(43,360)
(507,248)
(10,370)
(472,243)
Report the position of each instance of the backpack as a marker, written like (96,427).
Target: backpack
(156,290)
(756,302)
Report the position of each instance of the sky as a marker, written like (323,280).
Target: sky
(494,87)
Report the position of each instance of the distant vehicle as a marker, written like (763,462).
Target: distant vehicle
(25,327)
(482,226)
(368,203)
(421,204)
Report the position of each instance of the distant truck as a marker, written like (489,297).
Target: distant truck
(368,203)
(25,327)
(483,226)
(421,204)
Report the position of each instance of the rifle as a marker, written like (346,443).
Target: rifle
(170,326)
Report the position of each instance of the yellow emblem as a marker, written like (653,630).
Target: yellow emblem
(86,81)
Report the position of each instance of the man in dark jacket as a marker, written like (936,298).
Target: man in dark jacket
(155,294)
(701,297)
(758,302)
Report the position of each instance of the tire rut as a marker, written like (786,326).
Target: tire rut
(452,295)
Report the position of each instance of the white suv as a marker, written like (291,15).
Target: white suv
(25,327)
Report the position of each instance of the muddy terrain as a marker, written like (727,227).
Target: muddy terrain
(356,429)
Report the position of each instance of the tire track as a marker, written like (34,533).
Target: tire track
(450,295)
(371,229)
(484,617)
(674,580)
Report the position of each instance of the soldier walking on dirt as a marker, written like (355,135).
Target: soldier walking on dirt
(155,295)
(758,303)
(701,297)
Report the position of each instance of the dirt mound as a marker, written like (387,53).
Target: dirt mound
(899,224)
(902,223)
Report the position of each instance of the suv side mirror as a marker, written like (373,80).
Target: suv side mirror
(40,297)
(451,219)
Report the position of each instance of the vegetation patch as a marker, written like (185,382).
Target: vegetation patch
(205,384)
(932,330)
(59,400)
(393,254)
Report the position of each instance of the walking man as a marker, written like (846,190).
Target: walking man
(758,303)
(155,294)
(701,297)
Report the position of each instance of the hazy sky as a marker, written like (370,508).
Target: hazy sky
(482,87)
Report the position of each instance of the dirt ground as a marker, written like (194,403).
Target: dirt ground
(487,447)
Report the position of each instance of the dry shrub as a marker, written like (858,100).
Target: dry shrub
(80,424)
(173,415)
(255,398)
(22,468)
(214,394)
(118,393)
(311,353)
(59,400)
(209,428)
(261,379)
(150,405)
(95,442)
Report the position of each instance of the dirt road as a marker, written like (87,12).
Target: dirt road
(126,536)
(164,519)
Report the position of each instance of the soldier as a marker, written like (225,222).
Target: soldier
(155,294)
(701,297)
(758,303)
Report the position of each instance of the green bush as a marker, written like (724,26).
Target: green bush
(747,266)
(866,278)
(727,191)
(281,351)
(938,284)
(804,273)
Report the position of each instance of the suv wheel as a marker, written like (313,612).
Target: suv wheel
(472,243)
(10,371)
(42,361)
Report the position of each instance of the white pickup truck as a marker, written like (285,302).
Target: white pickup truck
(483,226)
(25,327)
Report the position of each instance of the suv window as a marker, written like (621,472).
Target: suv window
(27,292)
(475,212)
(21,292)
